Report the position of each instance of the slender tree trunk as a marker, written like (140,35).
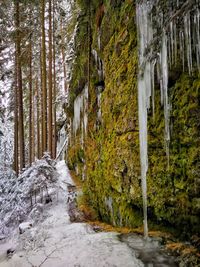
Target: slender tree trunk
(44,82)
(40,99)
(20,91)
(63,56)
(38,120)
(16,148)
(50,119)
(33,128)
(30,103)
(54,86)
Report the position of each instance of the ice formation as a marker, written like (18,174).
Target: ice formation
(178,25)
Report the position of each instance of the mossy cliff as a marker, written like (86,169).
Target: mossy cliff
(107,156)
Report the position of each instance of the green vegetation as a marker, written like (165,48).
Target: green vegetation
(111,149)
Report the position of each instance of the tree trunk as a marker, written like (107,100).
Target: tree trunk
(50,135)
(40,99)
(38,120)
(33,128)
(20,91)
(44,82)
(30,103)
(54,86)
(16,148)
(63,56)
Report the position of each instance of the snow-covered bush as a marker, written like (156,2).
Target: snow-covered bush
(6,141)
(19,196)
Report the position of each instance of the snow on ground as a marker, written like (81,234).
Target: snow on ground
(56,242)
(24,197)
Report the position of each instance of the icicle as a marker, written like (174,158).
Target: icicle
(169,55)
(164,70)
(175,44)
(99,39)
(82,135)
(144,94)
(94,53)
(197,34)
(188,41)
(143,147)
(85,116)
(99,106)
(183,55)
(80,108)
(161,81)
(153,88)
(172,42)
(147,79)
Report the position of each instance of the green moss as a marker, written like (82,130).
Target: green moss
(110,158)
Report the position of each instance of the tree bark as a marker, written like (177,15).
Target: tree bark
(63,56)
(40,99)
(44,81)
(38,120)
(16,147)
(20,91)
(33,127)
(54,86)
(30,103)
(50,135)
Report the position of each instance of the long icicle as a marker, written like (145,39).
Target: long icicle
(144,94)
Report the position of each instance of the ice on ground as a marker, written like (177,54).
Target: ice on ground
(55,242)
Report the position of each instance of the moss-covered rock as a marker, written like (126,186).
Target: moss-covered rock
(109,159)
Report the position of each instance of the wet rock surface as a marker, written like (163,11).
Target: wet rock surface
(74,213)
(151,251)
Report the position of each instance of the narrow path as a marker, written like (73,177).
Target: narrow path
(56,242)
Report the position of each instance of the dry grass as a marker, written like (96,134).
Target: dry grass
(182,249)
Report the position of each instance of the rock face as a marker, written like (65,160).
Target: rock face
(104,147)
